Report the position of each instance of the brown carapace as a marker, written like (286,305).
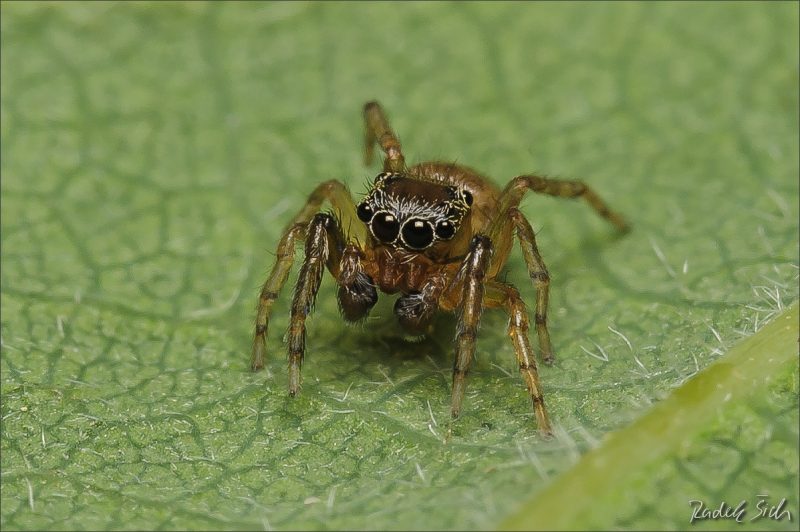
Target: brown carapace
(438,234)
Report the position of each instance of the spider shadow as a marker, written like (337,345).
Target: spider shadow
(381,340)
(382,333)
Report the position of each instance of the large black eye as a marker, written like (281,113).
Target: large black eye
(417,234)
(364,212)
(385,227)
(468,197)
(445,230)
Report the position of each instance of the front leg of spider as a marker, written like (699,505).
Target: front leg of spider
(339,197)
(473,270)
(323,242)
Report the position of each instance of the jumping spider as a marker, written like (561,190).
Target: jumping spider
(438,233)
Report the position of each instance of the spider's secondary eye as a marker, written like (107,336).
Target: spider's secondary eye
(364,212)
(385,227)
(468,197)
(384,177)
(417,234)
(445,230)
(454,212)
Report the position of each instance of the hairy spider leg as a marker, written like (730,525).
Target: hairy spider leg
(377,129)
(474,271)
(272,286)
(324,243)
(517,187)
(501,233)
(502,236)
(501,295)
(339,197)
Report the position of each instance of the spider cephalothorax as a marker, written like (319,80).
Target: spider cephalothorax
(436,233)
(403,211)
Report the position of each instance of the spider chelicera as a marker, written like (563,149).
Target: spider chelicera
(436,232)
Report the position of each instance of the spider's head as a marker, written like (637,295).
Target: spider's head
(401,211)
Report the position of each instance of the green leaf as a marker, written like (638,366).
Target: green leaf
(152,152)
(731,418)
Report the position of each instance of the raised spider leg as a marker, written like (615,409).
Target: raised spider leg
(336,193)
(474,271)
(377,129)
(502,295)
(515,190)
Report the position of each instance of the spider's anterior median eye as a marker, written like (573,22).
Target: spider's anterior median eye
(417,234)
(445,230)
(468,197)
(364,212)
(385,227)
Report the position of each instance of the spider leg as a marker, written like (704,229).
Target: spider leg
(502,295)
(510,222)
(322,241)
(541,280)
(339,197)
(474,271)
(515,190)
(377,129)
(270,290)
